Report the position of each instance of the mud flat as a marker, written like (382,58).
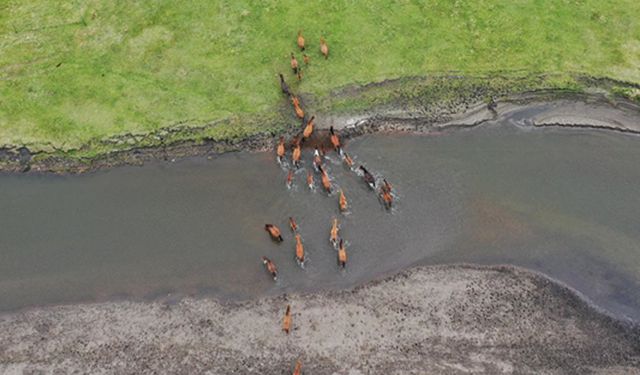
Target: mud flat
(443,319)
(535,109)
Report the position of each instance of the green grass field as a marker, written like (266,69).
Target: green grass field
(76,71)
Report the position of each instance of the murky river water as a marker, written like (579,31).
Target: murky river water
(564,202)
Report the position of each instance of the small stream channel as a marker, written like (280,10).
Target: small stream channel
(563,202)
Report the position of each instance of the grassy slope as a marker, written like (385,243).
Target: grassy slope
(136,67)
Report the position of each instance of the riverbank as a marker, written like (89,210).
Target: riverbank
(453,319)
(82,80)
(417,104)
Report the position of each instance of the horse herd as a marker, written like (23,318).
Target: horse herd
(291,160)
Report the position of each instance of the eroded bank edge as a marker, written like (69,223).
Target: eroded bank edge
(419,104)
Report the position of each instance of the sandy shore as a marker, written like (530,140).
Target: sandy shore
(447,319)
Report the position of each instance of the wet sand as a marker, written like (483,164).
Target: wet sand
(440,319)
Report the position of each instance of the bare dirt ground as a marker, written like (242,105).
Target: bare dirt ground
(428,320)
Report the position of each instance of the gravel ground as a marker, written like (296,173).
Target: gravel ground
(427,320)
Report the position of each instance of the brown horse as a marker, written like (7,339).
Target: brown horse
(280,149)
(347,160)
(333,236)
(309,128)
(387,198)
(299,249)
(343,201)
(324,48)
(297,154)
(342,255)
(271,267)
(286,321)
(310,182)
(294,64)
(335,141)
(300,40)
(386,186)
(293,225)
(298,369)
(289,178)
(274,232)
(326,183)
(299,111)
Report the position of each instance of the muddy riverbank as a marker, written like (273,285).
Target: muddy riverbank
(443,319)
(418,104)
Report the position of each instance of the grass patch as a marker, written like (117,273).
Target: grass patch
(74,72)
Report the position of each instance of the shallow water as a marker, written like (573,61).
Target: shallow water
(564,202)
